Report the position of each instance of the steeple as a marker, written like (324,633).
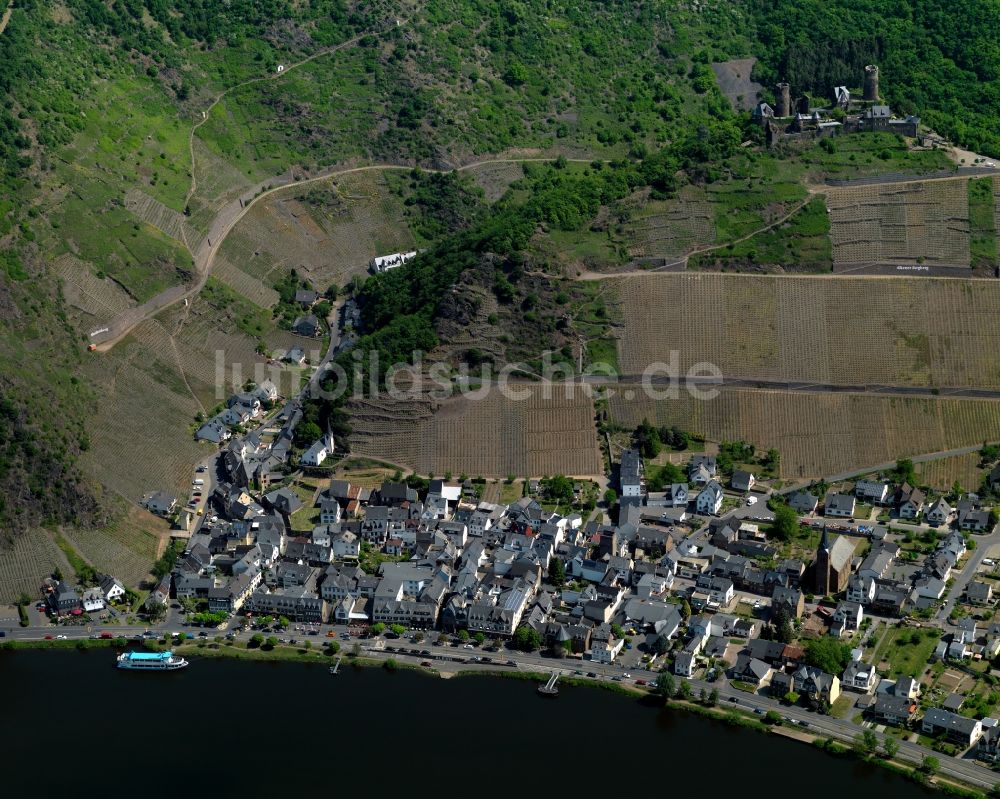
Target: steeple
(824,542)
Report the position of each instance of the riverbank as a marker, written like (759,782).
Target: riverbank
(731,716)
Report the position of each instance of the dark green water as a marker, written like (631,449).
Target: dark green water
(69,720)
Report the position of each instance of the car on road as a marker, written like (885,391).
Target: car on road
(733,699)
(48,637)
(331,634)
(751,501)
(425,652)
(425,663)
(626,675)
(469,646)
(640,682)
(591,673)
(511,662)
(759,711)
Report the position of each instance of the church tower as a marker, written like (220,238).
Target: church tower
(821,568)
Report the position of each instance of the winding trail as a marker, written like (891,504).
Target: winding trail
(6,16)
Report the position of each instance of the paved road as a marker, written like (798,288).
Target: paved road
(968,573)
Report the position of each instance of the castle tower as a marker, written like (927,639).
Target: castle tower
(784,108)
(871,83)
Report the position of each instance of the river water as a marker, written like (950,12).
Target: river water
(69,720)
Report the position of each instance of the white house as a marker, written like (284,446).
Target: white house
(112,589)
(709,498)
(318,452)
(859,676)
(940,512)
(92,600)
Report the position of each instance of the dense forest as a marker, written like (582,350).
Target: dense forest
(939,59)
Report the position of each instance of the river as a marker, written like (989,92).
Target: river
(236,728)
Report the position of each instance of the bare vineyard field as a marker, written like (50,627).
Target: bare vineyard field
(820,435)
(672,228)
(26,562)
(848,331)
(258,292)
(126,548)
(911,222)
(495,179)
(141,435)
(329,232)
(219,182)
(101,299)
(492,436)
(167,220)
(944,473)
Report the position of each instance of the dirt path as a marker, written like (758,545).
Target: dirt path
(6,16)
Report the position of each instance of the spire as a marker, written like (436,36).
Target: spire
(824,542)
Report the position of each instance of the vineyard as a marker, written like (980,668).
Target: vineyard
(101,299)
(495,179)
(219,182)
(944,473)
(258,292)
(328,234)
(164,219)
(492,436)
(921,222)
(141,435)
(26,562)
(849,331)
(672,228)
(821,435)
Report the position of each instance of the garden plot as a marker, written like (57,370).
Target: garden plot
(820,435)
(853,331)
(918,222)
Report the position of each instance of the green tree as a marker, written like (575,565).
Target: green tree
(390,665)
(332,648)
(713,697)
(463,636)
(661,645)
(617,631)
(665,684)
(610,497)
(772,717)
(256,640)
(398,629)
(647,439)
(378,628)
(890,747)
(557,572)
(479,638)
(786,522)
(271,642)
(930,765)
(684,689)
(828,654)
(686,609)
(866,743)
(527,639)
(791,698)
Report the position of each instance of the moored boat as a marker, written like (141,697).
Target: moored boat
(151,661)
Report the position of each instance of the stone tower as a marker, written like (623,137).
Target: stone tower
(784,108)
(871,83)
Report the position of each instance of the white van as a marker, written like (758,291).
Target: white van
(198,482)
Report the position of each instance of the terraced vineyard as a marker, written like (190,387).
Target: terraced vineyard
(100,299)
(168,221)
(493,436)
(920,222)
(26,562)
(258,292)
(820,435)
(844,330)
(494,179)
(126,548)
(141,438)
(328,233)
(671,228)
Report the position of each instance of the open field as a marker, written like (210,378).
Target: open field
(925,223)
(899,654)
(492,437)
(30,559)
(847,331)
(494,179)
(820,435)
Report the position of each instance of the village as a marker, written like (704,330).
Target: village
(867,602)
